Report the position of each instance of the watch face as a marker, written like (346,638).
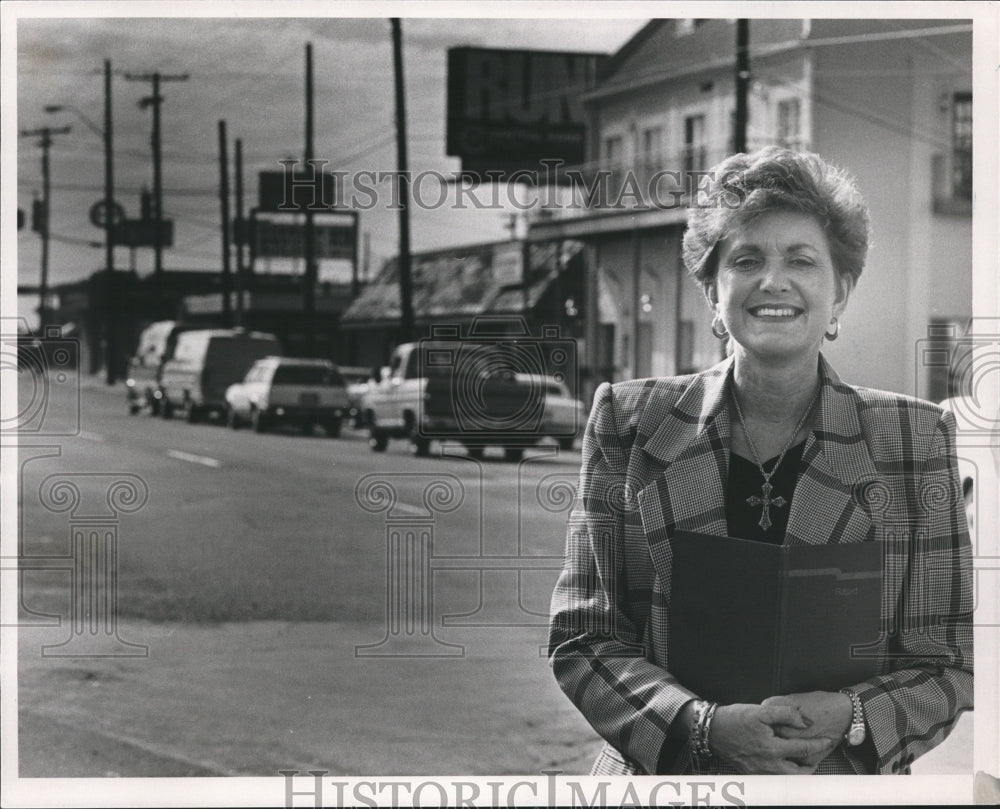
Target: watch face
(856,735)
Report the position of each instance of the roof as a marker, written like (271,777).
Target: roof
(658,52)
(460,283)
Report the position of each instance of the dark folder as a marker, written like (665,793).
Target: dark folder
(751,620)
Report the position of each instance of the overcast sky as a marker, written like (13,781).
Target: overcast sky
(249,72)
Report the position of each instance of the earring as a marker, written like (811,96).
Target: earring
(836,331)
(720,332)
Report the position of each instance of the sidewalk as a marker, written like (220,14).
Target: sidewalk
(256,698)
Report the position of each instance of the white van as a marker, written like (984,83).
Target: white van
(204,364)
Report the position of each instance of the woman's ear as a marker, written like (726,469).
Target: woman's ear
(845,285)
(711,295)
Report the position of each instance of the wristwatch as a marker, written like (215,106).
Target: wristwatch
(856,732)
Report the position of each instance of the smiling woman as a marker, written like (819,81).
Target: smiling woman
(769,447)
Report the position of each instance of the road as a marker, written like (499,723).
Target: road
(266,618)
(251,567)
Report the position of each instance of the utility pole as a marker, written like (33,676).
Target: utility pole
(241,280)
(45,133)
(111,320)
(110,288)
(742,84)
(309,280)
(405,283)
(154,101)
(227,310)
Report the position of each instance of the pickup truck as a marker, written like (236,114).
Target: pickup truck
(450,391)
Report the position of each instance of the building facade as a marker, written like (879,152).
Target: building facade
(888,100)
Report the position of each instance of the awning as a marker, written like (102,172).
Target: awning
(462,283)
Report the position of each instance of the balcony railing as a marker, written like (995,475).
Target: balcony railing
(670,181)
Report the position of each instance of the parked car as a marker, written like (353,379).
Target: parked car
(357,380)
(287,390)
(426,394)
(204,364)
(142,384)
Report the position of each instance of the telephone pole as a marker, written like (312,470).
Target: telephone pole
(227,311)
(154,101)
(42,215)
(241,280)
(111,361)
(742,84)
(309,281)
(405,282)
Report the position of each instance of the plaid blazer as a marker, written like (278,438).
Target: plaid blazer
(876,466)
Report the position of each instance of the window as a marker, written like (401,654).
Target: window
(694,143)
(613,152)
(652,148)
(789,125)
(961,143)
(613,156)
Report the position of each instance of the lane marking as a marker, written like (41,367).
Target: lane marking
(90,436)
(204,460)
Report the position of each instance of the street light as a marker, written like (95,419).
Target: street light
(52,108)
(108,203)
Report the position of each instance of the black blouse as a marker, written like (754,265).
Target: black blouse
(745,481)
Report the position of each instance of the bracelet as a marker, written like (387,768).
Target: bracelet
(701,724)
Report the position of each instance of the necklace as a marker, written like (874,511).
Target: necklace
(765,498)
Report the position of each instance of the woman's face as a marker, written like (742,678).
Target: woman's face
(776,288)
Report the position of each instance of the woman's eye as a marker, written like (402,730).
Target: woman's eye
(746,263)
(801,261)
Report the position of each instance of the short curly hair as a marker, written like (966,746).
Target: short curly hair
(745,186)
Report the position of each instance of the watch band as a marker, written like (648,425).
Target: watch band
(856,732)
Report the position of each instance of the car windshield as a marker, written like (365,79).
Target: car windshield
(306,375)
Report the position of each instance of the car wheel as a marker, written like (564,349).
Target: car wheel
(166,409)
(258,421)
(154,406)
(566,443)
(192,413)
(133,407)
(513,453)
(307,428)
(333,427)
(420,446)
(378,440)
(232,420)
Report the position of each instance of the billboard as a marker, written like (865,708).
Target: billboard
(291,191)
(508,110)
(287,240)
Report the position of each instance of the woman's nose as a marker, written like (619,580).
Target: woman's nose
(775,276)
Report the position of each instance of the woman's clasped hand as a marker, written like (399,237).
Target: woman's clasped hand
(750,738)
(786,735)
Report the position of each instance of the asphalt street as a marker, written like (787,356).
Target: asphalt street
(282,601)
(247,563)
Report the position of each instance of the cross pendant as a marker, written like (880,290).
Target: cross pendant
(766,501)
